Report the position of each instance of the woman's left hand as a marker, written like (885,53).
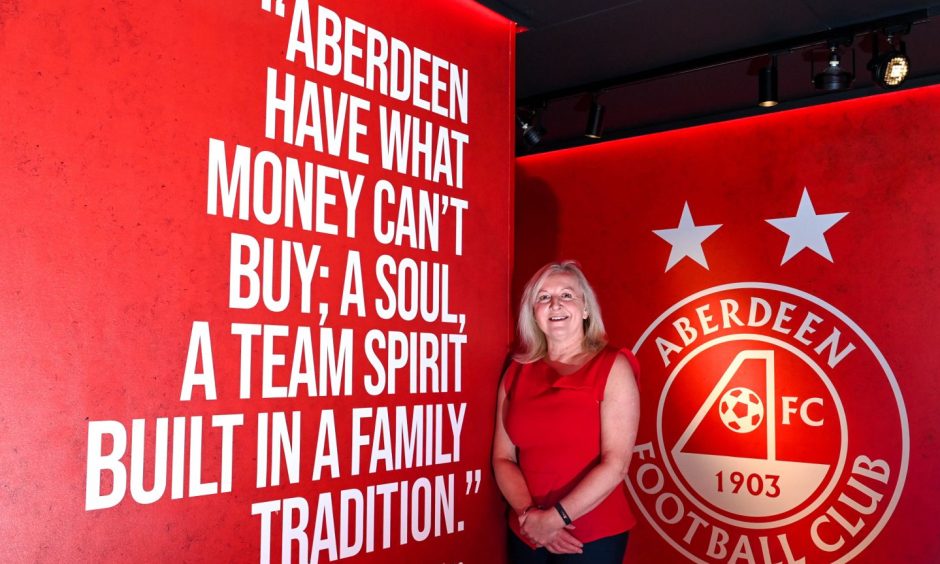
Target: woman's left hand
(545,527)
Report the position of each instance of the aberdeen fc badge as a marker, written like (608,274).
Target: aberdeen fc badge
(773,429)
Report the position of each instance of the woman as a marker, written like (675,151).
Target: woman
(566,422)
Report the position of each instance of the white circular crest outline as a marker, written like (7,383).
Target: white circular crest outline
(876,352)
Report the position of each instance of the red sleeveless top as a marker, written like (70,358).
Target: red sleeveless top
(554,421)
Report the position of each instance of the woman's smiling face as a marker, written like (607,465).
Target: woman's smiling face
(559,306)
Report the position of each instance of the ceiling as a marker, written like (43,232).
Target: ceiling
(661,64)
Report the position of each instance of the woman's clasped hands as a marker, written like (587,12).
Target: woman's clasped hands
(545,527)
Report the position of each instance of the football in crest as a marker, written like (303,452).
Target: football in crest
(741,410)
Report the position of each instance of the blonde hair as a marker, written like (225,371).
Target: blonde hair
(532,343)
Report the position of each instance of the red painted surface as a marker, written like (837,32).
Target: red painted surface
(110,257)
(874,158)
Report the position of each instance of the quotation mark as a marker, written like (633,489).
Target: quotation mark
(278,9)
(473,477)
(473,480)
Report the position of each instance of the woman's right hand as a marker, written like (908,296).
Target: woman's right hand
(564,543)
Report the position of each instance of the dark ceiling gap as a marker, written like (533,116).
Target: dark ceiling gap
(705,119)
(656,65)
(586,15)
(707,62)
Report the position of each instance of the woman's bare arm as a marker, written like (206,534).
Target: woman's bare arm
(620,411)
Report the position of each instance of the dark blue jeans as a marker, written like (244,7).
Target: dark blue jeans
(608,550)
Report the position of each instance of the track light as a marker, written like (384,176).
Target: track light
(595,123)
(834,77)
(889,69)
(767,85)
(532,130)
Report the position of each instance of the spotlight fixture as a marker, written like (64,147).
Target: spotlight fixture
(834,77)
(532,130)
(767,85)
(889,69)
(595,123)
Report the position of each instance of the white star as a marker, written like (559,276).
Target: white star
(686,240)
(806,229)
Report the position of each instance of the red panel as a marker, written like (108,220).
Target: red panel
(862,260)
(111,255)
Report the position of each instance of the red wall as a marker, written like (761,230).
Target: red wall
(833,442)
(118,270)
